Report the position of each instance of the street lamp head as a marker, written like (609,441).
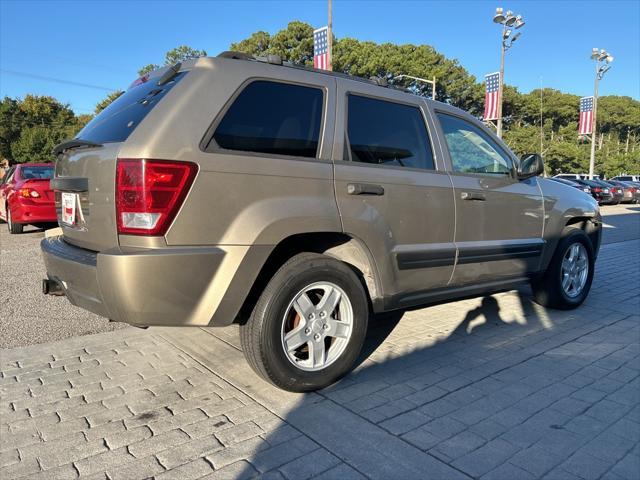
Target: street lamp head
(609,58)
(506,33)
(595,53)
(511,19)
(498,17)
(515,37)
(519,21)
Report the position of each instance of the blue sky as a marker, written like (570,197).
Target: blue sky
(101,44)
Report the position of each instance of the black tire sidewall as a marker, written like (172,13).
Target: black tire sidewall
(278,366)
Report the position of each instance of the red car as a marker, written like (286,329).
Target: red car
(26,196)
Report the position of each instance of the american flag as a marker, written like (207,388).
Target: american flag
(492,96)
(321,48)
(586,116)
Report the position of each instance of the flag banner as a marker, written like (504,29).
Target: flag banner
(492,96)
(321,48)
(586,116)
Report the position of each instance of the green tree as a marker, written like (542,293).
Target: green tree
(11,121)
(35,144)
(31,127)
(178,54)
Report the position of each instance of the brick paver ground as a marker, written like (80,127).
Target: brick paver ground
(492,388)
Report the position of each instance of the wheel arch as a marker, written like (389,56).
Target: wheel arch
(338,245)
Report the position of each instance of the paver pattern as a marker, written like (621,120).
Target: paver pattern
(495,387)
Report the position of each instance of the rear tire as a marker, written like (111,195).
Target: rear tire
(567,281)
(14,228)
(308,326)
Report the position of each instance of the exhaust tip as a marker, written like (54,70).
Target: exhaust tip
(52,287)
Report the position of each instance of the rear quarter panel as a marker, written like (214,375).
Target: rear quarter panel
(238,198)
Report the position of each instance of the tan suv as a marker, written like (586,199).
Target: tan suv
(296,202)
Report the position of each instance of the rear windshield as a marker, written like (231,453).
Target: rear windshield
(590,183)
(116,122)
(35,173)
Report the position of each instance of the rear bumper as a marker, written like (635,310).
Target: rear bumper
(28,211)
(605,199)
(186,286)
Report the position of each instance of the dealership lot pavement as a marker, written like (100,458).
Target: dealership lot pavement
(494,387)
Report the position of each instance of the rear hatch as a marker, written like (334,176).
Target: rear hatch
(85,173)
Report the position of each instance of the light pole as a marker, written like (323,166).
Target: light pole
(509,22)
(424,80)
(599,55)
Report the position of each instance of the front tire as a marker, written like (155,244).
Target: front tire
(308,326)
(13,228)
(567,281)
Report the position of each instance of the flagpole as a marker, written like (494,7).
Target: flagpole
(592,158)
(330,39)
(501,85)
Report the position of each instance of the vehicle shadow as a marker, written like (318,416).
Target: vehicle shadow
(479,338)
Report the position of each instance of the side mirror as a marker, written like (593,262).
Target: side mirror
(531,165)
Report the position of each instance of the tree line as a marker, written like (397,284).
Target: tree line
(30,127)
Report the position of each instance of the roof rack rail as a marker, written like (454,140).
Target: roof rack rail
(272,59)
(277,60)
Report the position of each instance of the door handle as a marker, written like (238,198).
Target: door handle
(364,189)
(473,196)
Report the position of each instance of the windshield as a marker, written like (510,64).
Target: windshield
(116,122)
(36,173)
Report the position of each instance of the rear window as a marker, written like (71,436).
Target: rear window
(274,118)
(116,122)
(36,173)
(387,133)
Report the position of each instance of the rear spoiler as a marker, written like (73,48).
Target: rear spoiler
(73,143)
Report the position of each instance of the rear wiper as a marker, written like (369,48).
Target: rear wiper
(169,74)
(73,143)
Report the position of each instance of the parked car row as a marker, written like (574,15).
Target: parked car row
(609,192)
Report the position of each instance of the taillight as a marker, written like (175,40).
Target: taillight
(149,193)
(29,193)
(596,189)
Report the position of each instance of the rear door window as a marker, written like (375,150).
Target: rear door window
(272,118)
(116,122)
(387,133)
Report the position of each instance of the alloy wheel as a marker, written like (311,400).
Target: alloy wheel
(575,269)
(317,326)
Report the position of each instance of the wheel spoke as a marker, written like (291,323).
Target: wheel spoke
(316,353)
(329,301)
(338,329)
(295,338)
(566,281)
(303,306)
